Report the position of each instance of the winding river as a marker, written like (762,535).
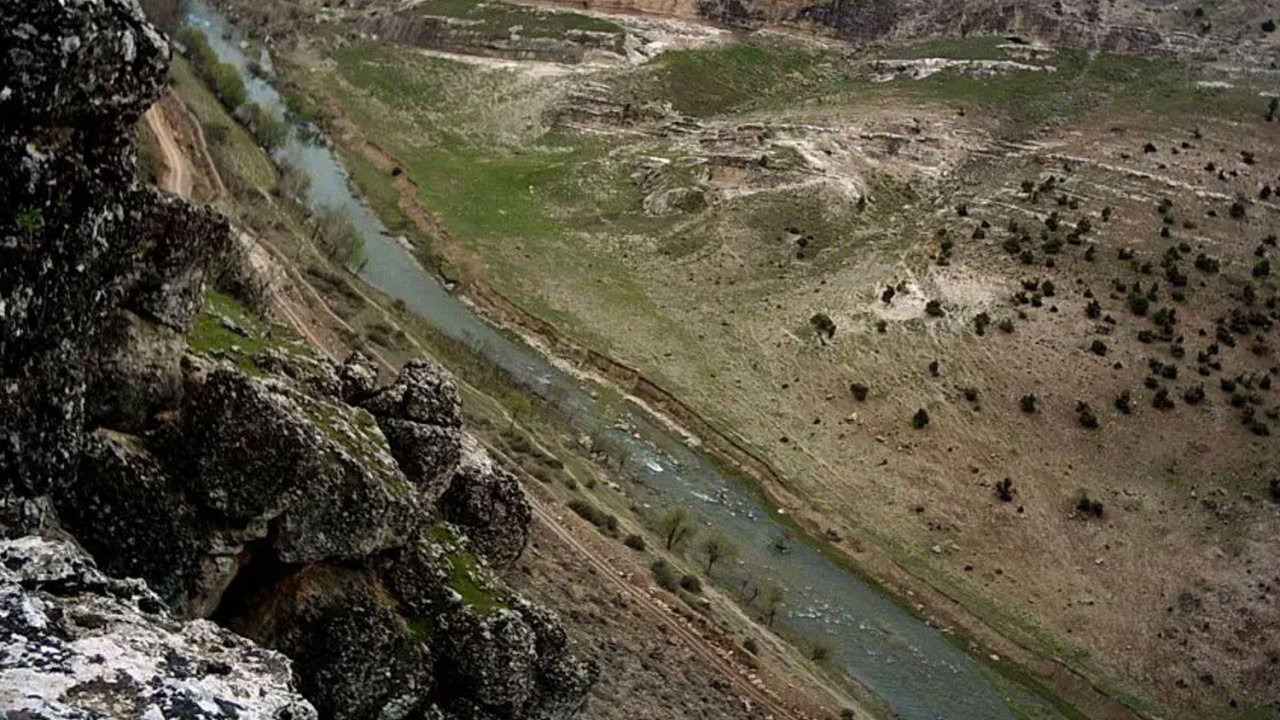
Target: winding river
(912,667)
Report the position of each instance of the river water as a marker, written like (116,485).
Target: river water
(913,668)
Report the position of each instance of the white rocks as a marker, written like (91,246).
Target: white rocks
(75,643)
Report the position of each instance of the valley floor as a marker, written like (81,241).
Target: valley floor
(999,318)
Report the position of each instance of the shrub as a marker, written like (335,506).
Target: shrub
(1093,310)
(1194,395)
(970,394)
(1123,402)
(1161,400)
(751,646)
(859,391)
(934,308)
(1097,347)
(635,542)
(887,296)
(823,323)
(1275,489)
(1262,268)
(1004,490)
(1087,507)
(980,323)
(664,576)
(691,583)
(1006,325)
(227,84)
(269,130)
(1085,416)
(820,653)
(920,419)
(605,522)
(1028,403)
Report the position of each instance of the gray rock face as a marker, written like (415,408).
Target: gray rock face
(428,454)
(77,235)
(487,502)
(423,392)
(356,657)
(77,644)
(508,662)
(358,378)
(137,373)
(117,506)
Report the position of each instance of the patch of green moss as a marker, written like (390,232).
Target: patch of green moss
(466,577)
(465,581)
(420,628)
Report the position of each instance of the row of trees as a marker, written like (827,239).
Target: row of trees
(678,530)
(227,84)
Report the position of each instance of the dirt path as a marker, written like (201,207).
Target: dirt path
(177,175)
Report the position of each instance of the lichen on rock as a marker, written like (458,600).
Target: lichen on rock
(75,643)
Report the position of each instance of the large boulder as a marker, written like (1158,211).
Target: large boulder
(510,664)
(428,454)
(486,501)
(76,644)
(77,234)
(423,392)
(258,450)
(126,511)
(136,374)
(355,655)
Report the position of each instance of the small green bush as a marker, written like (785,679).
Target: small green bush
(664,576)
(606,522)
(691,583)
(635,542)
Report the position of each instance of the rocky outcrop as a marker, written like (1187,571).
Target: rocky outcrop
(79,235)
(242,477)
(75,643)
(486,500)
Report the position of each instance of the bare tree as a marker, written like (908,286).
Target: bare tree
(676,527)
(773,601)
(717,548)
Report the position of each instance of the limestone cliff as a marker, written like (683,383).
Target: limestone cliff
(244,478)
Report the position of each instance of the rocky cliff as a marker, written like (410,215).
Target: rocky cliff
(239,476)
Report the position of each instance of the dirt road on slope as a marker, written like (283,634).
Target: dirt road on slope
(177,175)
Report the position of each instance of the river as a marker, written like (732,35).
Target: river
(918,672)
